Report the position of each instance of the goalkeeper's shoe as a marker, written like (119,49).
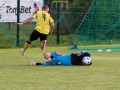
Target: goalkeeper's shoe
(32,63)
(43,45)
(22,52)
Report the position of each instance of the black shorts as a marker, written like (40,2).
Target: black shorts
(35,35)
(76,58)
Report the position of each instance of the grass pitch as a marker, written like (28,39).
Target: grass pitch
(17,74)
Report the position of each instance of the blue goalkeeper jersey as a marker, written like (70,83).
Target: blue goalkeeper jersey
(58,59)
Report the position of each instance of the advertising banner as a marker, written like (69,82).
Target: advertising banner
(8,9)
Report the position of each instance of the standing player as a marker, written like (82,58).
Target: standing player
(44,26)
(54,58)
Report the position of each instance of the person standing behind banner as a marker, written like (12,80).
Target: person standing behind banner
(44,26)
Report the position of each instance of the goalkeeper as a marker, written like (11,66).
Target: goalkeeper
(54,58)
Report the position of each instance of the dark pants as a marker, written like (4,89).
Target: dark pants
(76,58)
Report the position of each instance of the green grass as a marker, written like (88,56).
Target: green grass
(17,74)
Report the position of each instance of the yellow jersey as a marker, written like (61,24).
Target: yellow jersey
(43,22)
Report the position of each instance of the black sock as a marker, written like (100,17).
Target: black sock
(38,64)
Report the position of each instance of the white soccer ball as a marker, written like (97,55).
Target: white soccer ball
(86,60)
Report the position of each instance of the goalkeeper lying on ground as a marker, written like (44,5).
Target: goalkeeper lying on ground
(54,58)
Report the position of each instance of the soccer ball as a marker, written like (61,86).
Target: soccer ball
(86,60)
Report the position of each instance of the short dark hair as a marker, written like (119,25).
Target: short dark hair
(45,6)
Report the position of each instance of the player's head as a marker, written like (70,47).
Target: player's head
(47,55)
(45,8)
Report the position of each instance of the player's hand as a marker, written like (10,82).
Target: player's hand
(20,23)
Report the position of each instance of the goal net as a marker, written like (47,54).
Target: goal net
(100,27)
